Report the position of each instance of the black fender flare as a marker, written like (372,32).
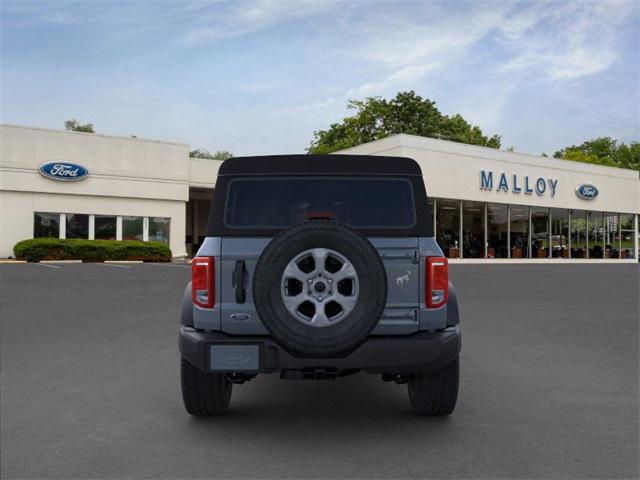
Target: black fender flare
(453,312)
(186,310)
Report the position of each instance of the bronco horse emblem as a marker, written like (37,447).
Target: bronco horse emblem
(402,280)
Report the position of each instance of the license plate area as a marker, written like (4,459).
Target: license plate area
(234,358)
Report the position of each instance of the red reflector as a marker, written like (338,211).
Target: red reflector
(437,281)
(203,281)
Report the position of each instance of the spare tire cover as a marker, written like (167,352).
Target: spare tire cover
(319,288)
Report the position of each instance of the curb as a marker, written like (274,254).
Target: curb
(60,261)
(7,261)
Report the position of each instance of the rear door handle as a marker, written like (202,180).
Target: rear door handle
(238,282)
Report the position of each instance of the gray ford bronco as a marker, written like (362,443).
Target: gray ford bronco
(317,267)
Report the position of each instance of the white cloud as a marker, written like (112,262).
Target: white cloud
(246,17)
(564,41)
(405,77)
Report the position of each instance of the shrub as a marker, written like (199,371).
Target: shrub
(36,249)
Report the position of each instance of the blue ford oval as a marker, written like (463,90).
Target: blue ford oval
(586,191)
(63,171)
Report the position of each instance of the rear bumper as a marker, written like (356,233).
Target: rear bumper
(423,351)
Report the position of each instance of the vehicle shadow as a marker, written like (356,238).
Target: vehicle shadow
(358,404)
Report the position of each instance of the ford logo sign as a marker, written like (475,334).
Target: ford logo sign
(586,191)
(63,171)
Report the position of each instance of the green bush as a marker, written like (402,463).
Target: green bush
(37,249)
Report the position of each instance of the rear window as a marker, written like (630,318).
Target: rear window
(280,202)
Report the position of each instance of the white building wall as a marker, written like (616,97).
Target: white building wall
(126,177)
(452,170)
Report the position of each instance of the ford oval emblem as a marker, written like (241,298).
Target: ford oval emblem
(63,171)
(586,191)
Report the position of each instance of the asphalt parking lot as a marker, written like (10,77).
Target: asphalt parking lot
(90,388)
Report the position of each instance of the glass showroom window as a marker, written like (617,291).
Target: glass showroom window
(77,226)
(132,228)
(497,231)
(519,231)
(472,230)
(105,227)
(46,225)
(159,229)
(559,233)
(448,226)
(539,232)
(596,234)
(626,237)
(578,234)
(611,236)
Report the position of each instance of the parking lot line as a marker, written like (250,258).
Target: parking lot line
(113,265)
(47,265)
(170,265)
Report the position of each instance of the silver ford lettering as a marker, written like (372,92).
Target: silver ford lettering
(64,170)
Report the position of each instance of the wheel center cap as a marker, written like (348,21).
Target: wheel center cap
(320,287)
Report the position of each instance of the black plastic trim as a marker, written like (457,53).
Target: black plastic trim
(424,352)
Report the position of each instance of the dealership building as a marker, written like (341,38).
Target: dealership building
(489,205)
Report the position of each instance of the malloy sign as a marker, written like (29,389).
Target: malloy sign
(515,183)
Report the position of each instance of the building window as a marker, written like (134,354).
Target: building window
(159,229)
(596,235)
(519,231)
(611,235)
(448,228)
(626,236)
(105,227)
(472,230)
(539,232)
(132,228)
(77,226)
(559,233)
(497,231)
(578,234)
(46,225)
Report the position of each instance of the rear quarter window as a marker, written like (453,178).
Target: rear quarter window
(361,202)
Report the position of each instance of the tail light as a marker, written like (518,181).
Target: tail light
(437,281)
(203,282)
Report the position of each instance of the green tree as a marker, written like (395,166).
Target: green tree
(377,118)
(75,126)
(604,151)
(202,153)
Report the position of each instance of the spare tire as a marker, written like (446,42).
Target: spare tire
(319,288)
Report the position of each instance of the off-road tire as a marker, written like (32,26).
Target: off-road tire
(435,394)
(204,394)
(333,340)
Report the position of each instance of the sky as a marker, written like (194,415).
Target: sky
(260,76)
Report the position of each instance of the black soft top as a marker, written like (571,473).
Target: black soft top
(320,164)
(325,165)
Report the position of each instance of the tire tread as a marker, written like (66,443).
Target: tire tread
(204,394)
(435,394)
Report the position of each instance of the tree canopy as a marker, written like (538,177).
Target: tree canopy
(604,151)
(377,118)
(218,155)
(74,126)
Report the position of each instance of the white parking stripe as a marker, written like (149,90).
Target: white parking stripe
(113,265)
(47,265)
(170,265)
